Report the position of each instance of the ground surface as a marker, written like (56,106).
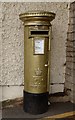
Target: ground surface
(54,109)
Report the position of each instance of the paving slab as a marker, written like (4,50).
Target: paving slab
(17,112)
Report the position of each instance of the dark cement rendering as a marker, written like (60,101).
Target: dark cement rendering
(18,112)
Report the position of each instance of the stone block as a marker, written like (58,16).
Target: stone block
(70,54)
(72,6)
(59,99)
(74,43)
(69,65)
(71,13)
(69,43)
(11,92)
(69,78)
(69,71)
(71,35)
(70,49)
(69,85)
(55,88)
(70,59)
(72,95)
(72,20)
(74,68)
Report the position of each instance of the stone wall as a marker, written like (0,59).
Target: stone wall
(13,46)
(70,55)
(0,50)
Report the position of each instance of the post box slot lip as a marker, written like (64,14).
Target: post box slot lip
(39,32)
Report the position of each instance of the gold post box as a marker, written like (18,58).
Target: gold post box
(37,37)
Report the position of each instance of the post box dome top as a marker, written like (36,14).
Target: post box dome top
(32,15)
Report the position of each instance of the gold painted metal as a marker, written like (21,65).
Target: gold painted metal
(50,38)
(36,50)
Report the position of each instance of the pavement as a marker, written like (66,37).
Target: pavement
(54,109)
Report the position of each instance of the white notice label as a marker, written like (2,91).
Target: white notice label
(39,47)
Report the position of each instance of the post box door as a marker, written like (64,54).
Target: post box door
(36,61)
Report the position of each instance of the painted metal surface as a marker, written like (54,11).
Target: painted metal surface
(37,36)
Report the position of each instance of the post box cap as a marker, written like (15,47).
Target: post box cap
(37,14)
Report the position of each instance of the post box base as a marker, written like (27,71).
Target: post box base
(35,103)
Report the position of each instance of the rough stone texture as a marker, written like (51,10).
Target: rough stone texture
(0,42)
(70,55)
(12,52)
(56,88)
(13,41)
(59,99)
(12,92)
(0,56)
(69,84)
